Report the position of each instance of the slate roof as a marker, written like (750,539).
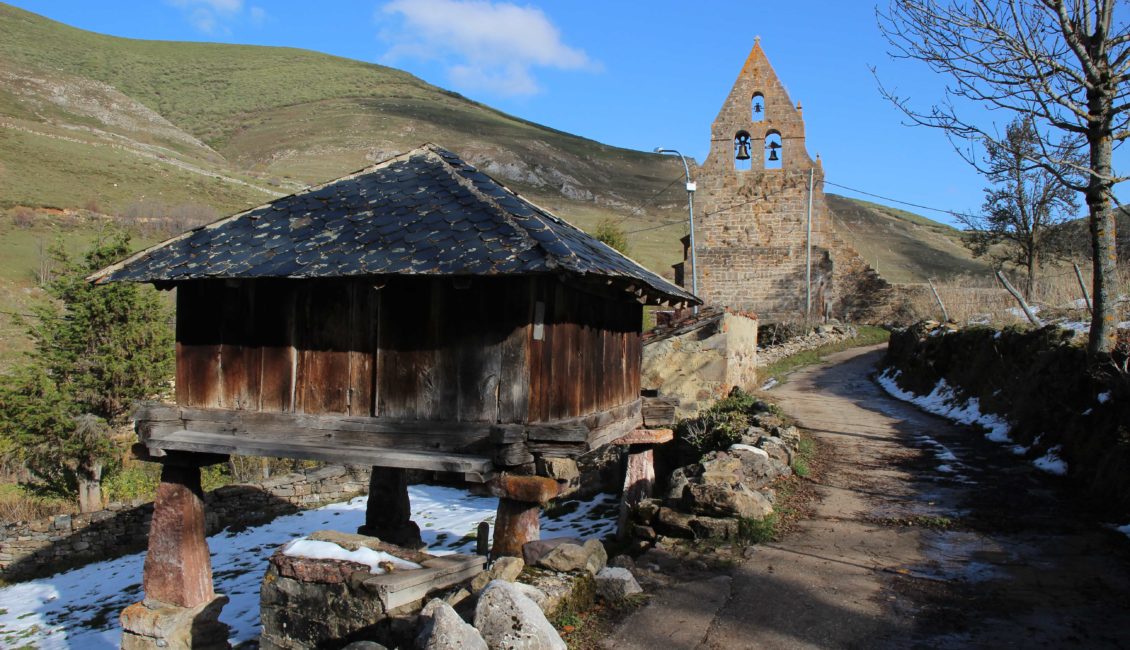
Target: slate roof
(426,212)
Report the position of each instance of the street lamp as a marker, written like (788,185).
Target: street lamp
(690,212)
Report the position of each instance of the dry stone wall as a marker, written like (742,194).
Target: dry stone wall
(46,546)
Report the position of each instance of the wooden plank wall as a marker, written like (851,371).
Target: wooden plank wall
(414,349)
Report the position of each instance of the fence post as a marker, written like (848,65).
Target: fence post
(1019,299)
(1083,287)
(945,314)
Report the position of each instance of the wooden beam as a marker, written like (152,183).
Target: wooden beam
(475,469)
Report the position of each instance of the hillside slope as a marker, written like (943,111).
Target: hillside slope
(233,126)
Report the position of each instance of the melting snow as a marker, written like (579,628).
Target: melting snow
(318,550)
(1051,462)
(944,402)
(79,608)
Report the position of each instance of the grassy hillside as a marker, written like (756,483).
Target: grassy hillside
(903,246)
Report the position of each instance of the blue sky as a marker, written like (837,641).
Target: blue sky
(631,74)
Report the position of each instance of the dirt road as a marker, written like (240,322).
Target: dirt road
(925,535)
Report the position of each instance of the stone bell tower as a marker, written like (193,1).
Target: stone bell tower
(754,204)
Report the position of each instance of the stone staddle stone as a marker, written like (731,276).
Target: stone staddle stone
(306,603)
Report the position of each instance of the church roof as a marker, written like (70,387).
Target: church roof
(426,212)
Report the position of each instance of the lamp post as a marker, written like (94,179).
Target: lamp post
(690,213)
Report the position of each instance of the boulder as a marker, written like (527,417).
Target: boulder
(537,549)
(756,467)
(777,449)
(590,557)
(614,584)
(646,510)
(717,501)
(623,561)
(442,629)
(679,479)
(674,523)
(723,470)
(507,619)
(534,594)
(504,568)
(714,527)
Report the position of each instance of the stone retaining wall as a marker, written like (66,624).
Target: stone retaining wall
(702,364)
(821,335)
(46,546)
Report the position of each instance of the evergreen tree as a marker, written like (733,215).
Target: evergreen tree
(97,349)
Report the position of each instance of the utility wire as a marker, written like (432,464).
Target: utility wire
(887,198)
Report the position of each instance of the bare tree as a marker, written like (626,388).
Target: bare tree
(1064,64)
(1022,208)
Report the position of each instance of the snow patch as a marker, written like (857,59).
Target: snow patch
(769,384)
(1103,397)
(944,401)
(318,550)
(1125,530)
(740,447)
(1051,462)
(79,608)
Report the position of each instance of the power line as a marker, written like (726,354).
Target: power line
(887,198)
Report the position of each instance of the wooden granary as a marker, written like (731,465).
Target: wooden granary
(413,315)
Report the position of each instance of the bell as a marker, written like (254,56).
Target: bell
(757,107)
(743,150)
(773,147)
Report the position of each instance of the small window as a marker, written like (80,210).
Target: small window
(743,148)
(774,150)
(757,107)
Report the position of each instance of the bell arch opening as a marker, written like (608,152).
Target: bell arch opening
(743,146)
(774,150)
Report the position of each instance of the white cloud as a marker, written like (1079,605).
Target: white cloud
(485,45)
(214,16)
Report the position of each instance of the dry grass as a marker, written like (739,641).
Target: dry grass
(17,505)
(980,298)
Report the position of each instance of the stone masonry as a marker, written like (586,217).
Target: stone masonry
(750,230)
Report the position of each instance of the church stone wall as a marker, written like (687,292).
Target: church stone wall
(751,230)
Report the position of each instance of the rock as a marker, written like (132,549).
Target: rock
(777,449)
(674,523)
(790,436)
(679,479)
(714,527)
(722,470)
(507,619)
(456,597)
(364,645)
(537,549)
(643,532)
(623,561)
(590,557)
(614,584)
(646,510)
(717,501)
(504,568)
(756,467)
(442,629)
(534,594)
(558,590)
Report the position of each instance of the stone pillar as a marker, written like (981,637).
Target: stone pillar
(388,514)
(639,479)
(180,609)
(519,504)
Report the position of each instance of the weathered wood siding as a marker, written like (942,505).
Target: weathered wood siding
(412,349)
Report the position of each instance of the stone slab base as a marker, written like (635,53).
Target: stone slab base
(150,624)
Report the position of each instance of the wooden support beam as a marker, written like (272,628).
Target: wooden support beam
(474,469)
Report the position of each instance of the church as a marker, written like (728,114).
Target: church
(764,237)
